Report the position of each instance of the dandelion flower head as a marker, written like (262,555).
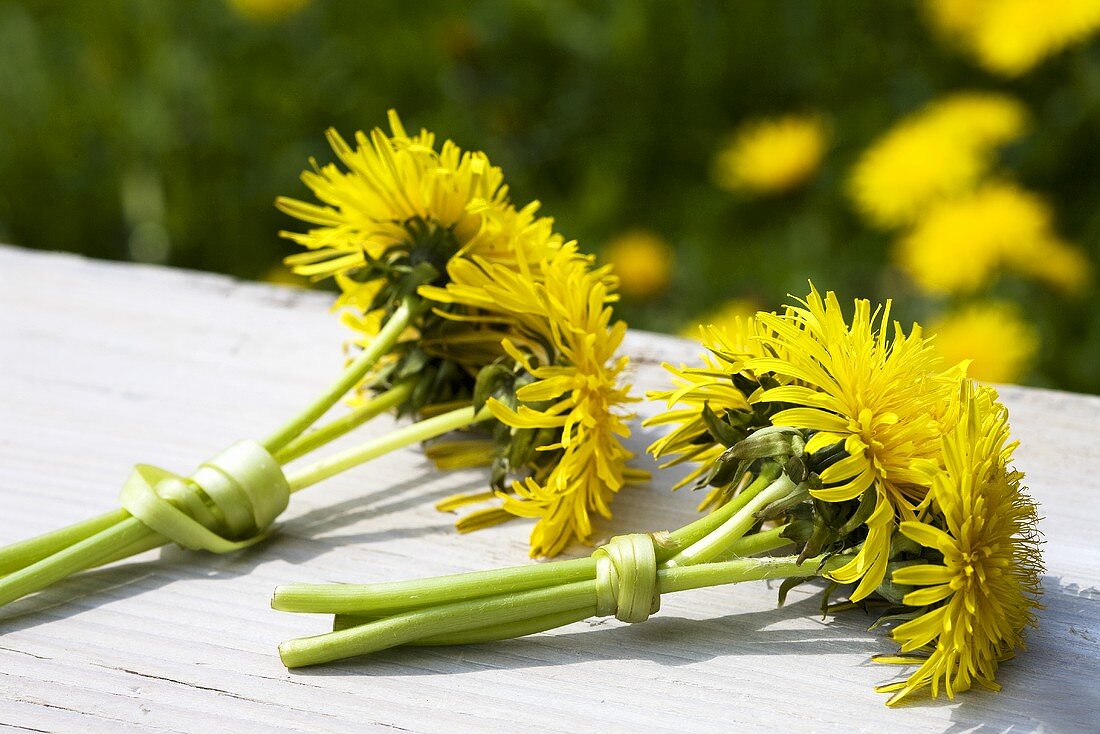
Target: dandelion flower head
(980,587)
(713,396)
(395,188)
(569,402)
(772,155)
(643,262)
(390,220)
(885,400)
(960,245)
(993,335)
(1011,37)
(939,152)
(731,316)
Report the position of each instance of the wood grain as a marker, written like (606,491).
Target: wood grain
(105,365)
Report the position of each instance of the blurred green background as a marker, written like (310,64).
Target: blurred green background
(163,131)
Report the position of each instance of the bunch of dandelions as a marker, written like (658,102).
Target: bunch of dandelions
(391,226)
(390,222)
(493,302)
(874,463)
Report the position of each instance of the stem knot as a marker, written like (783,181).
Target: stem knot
(626,578)
(228,503)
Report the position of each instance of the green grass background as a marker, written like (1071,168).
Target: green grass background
(163,131)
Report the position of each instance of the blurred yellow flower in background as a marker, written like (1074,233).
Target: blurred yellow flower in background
(979,118)
(1010,37)
(1058,264)
(643,262)
(267,11)
(953,18)
(772,155)
(993,334)
(940,152)
(960,244)
(729,316)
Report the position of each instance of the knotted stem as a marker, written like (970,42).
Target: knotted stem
(229,503)
(624,578)
(527,612)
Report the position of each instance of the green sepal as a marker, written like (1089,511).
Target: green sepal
(890,591)
(770,442)
(787,585)
(888,617)
(831,587)
(491,381)
(867,502)
(721,431)
(723,473)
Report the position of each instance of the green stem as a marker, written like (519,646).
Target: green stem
(755,544)
(118,535)
(149,542)
(396,597)
(719,540)
(704,526)
(401,596)
(419,431)
(22,554)
(87,553)
(379,346)
(355,604)
(377,405)
(494,633)
(444,619)
(683,578)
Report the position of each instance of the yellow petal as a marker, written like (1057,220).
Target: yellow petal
(922,575)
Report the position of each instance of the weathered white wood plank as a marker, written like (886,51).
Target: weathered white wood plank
(104,365)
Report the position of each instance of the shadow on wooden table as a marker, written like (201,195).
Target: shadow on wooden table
(295,541)
(672,641)
(1054,685)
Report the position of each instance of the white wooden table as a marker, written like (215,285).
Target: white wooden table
(105,365)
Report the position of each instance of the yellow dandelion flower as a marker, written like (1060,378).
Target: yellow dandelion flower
(1011,37)
(508,236)
(720,386)
(771,156)
(731,315)
(395,188)
(557,323)
(388,222)
(886,400)
(999,343)
(937,153)
(643,262)
(959,245)
(981,118)
(978,599)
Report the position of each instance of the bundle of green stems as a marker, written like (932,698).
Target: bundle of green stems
(230,502)
(624,578)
